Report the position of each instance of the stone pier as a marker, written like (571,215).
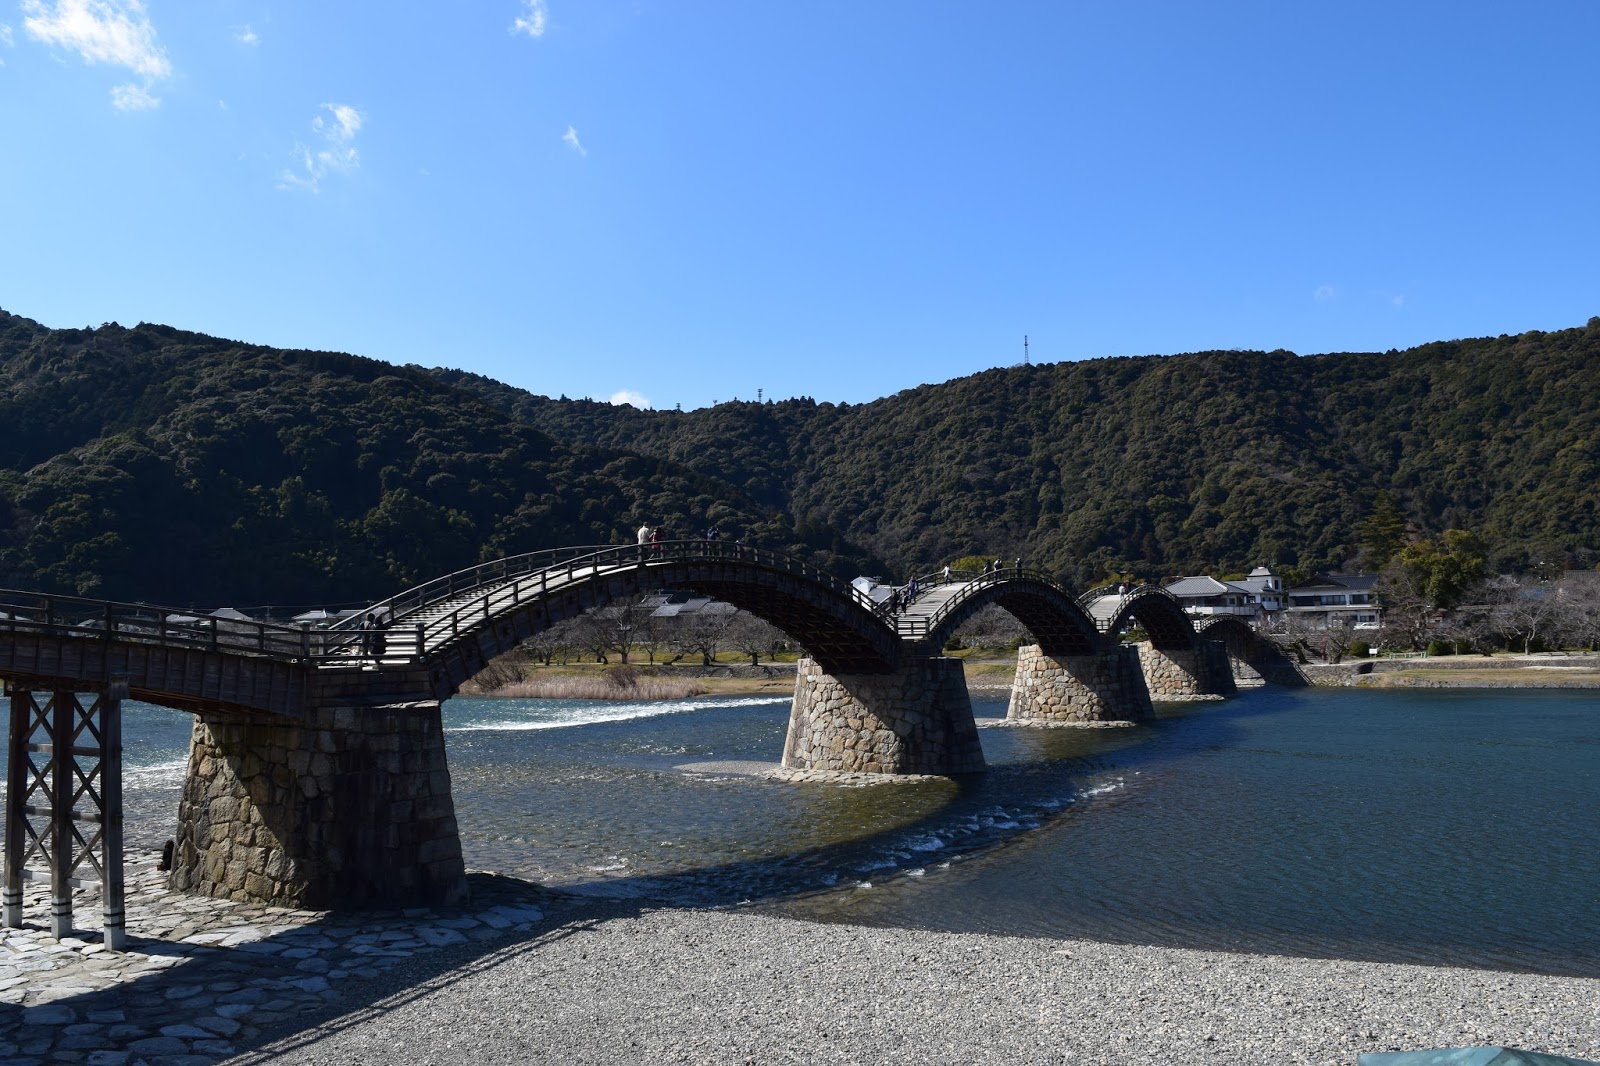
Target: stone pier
(917,720)
(1183,673)
(1107,687)
(347,807)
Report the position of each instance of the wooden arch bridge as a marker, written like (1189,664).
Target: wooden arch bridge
(317,772)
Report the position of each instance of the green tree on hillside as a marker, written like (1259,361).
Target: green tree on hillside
(1383,532)
(1443,569)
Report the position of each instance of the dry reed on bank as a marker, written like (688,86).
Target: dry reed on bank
(601,688)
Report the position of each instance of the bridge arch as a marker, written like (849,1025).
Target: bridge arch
(1058,623)
(461,621)
(1158,614)
(1258,654)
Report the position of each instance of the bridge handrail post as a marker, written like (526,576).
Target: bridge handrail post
(419,640)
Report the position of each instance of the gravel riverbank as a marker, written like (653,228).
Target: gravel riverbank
(524,975)
(609,984)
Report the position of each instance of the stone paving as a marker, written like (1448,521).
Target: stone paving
(202,978)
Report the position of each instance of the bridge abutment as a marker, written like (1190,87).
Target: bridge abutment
(1107,687)
(348,807)
(1185,673)
(916,720)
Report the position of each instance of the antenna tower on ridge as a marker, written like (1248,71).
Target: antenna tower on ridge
(1025,350)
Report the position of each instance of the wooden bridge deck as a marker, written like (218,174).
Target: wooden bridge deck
(439,634)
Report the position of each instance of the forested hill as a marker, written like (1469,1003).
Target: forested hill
(154,464)
(1215,461)
(158,465)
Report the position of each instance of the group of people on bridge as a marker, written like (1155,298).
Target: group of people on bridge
(372,641)
(652,537)
(903,596)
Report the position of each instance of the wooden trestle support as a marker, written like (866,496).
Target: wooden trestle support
(63,780)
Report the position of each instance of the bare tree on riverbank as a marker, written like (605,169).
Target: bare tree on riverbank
(703,632)
(756,637)
(992,627)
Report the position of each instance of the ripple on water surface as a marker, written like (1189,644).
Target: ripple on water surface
(1445,827)
(1439,826)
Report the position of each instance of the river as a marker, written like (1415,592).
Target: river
(1442,826)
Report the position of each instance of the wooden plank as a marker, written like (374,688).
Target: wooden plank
(16,818)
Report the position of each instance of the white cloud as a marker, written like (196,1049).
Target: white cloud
(338,152)
(104,31)
(245,35)
(131,97)
(5,35)
(629,396)
(1324,293)
(533,18)
(1399,299)
(571,137)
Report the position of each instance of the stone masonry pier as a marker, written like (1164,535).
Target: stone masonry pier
(915,720)
(347,807)
(1069,689)
(1182,673)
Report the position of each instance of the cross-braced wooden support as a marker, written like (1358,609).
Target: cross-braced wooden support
(63,781)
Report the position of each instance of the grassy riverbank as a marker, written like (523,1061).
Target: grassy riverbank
(1541,670)
(725,677)
(1517,677)
(989,675)
(609,681)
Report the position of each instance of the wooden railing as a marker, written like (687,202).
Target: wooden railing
(1124,596)
(443,609)
(415,623)
(142,623)
(974,582)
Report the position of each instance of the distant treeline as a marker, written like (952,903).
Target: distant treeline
(150,463)
(1163,465)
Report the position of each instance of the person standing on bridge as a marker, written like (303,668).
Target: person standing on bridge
(644,540)
(656,537)
(946,574)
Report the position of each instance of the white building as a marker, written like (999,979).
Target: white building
(1256,599)
(1333,598)
(1206,597)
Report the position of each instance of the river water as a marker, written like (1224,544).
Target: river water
(1439,826)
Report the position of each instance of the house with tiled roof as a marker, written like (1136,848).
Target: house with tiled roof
(1256,599)
(1328,599)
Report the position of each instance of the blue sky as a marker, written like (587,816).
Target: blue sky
(691,201)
